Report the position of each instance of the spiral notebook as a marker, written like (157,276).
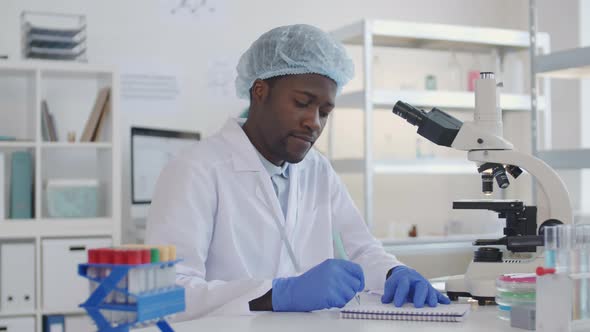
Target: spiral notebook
(372,308)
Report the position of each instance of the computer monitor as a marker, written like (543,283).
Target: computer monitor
(151,150)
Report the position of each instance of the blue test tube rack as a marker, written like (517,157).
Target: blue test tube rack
(149,307)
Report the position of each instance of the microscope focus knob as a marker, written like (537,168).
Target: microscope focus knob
(487,254)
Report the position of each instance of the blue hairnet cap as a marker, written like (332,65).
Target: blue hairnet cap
(293,49)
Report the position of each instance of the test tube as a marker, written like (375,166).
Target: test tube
(146,258)
(583,241)
(105,256)
(564,248)
(93,271)
(550,245)
(171,278)
(162,274)
(155,258)
(120,258)
(134,282)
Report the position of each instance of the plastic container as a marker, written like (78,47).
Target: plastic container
(514,289)
(69,198)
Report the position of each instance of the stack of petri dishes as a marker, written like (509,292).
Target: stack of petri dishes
(516,289)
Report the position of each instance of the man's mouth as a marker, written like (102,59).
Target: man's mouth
(308,139)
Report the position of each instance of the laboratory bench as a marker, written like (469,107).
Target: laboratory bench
(481,319)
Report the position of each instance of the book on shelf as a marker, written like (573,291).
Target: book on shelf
(102,131)
(96,116)
(48,128)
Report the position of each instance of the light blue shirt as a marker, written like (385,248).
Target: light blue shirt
(279,175)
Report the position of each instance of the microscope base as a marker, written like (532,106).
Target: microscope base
(479,282)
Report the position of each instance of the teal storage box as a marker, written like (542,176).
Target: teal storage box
(21,185)
(72,198)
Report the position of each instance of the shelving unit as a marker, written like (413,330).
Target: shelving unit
(369,34)
(70,90)
(567,64)
(574,63)
(455,100)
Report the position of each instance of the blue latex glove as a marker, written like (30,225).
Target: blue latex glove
(329,284)
(407,285)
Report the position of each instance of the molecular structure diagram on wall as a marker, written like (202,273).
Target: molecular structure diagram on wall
(194,7)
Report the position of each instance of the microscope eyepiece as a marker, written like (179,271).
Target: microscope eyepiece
(410,113)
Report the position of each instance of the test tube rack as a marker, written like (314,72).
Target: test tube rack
(557,299)
(149,307)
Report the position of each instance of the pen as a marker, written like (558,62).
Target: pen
(358,298)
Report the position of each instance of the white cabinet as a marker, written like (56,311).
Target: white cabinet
(17,277)
(20,324)
(63,289)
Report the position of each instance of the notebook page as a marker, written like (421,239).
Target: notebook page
(371,303)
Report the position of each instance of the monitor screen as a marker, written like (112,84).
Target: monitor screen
(151,150)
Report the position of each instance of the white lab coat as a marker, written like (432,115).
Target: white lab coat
(216,203)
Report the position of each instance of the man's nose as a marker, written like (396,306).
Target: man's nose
(312,119)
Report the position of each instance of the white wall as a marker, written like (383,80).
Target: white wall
(137,31)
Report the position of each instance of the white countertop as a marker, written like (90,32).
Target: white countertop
(481,319)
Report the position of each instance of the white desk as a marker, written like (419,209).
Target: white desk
(481,319)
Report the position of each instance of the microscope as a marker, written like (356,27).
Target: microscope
(494,158)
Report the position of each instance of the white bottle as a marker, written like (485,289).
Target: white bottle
(455,73)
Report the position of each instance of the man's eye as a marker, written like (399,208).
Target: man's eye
(324,114)
(301,104)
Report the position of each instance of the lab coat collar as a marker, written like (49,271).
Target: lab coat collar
(244,154)
(273,169)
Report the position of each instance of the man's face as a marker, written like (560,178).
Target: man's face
(293,114)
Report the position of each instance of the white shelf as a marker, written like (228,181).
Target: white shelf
(17,144)
(566,159)
(426,166)
(54,67)
(450,100)
(28,229)
(76,145)
(436,36)
(16,314)
(574,63)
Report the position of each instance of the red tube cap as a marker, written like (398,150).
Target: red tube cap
(134,257)
(541,271)
(105,256)
(146,256)
(119,257)
(93,256)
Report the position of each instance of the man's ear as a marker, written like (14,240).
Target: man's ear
(260,90)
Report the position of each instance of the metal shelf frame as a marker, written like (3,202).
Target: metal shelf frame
(572,63)
(385,33)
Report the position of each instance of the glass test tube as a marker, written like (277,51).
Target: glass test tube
(155,258)
(162,271)
(550,245)
(120,258)
(93,271)
(583,243)
(564,248)
(171,278)
(105,256)
(134,282)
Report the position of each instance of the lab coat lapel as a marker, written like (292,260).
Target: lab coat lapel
(245,159)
